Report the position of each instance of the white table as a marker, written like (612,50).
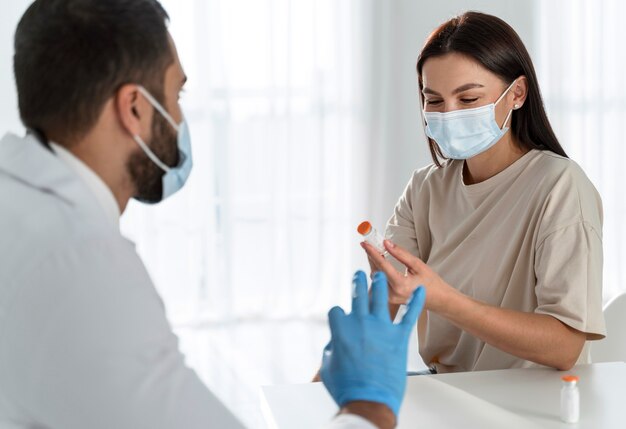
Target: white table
(517,398)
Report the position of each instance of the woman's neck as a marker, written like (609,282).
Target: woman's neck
(493,161)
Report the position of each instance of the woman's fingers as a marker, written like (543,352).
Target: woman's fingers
(373,267)
(407,259)
(382,264)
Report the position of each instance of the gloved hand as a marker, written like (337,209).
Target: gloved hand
(365,359)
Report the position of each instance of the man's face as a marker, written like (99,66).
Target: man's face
(146,175)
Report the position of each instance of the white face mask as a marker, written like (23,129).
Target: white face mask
(175,177)
(465,133)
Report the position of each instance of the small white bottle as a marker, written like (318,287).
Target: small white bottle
(371,236)
(570,399)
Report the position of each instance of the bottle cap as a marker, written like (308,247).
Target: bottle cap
(364,228)
(570,379)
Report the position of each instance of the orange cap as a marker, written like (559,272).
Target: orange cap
(364,228)
(570,378)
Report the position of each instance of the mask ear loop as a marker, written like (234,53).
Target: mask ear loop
(500,98)
(505,92)
(169,119)
(158,106)
(151,154)
(507,118)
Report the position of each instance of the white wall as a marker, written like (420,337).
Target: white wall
(9,117)
(401,26)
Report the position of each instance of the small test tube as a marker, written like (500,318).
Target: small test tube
(371,236)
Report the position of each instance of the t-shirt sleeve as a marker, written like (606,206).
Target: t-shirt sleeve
(401,226)
(568,267)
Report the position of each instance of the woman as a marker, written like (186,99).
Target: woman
(503,230)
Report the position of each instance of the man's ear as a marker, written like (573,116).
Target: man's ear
(134,111)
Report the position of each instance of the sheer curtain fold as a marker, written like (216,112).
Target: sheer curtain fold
(265,227)
(581,69)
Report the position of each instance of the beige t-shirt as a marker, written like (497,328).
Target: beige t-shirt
(527,239)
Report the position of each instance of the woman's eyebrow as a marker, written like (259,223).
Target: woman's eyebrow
(456,91)
(429,91)
(466,87)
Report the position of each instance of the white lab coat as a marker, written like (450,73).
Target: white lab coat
(84,342)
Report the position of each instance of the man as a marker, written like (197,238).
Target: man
(84,342)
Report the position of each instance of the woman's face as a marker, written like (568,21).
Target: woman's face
(454,81)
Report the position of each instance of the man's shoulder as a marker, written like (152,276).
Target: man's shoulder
(36,225)
(50,256)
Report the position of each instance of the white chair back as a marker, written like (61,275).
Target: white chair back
(613,347)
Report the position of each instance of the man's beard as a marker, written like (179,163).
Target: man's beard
(145,174)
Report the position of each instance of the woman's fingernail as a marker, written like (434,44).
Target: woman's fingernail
(390,243)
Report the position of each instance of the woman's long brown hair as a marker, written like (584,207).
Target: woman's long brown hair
(497,47)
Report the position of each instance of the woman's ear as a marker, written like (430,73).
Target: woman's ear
(519,92)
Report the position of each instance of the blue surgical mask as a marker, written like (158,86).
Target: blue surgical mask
(465,133)
(175,177)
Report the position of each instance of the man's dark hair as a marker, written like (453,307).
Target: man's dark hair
(71,56)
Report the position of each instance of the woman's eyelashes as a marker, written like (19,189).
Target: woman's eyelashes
(434,102)
(463,101)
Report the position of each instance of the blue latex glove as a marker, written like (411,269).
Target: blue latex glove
(365,359)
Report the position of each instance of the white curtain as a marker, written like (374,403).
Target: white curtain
(262,241)
(582,63)
(305,120)
(266,226)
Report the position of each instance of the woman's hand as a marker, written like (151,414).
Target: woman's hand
(402,285)
(540,338)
